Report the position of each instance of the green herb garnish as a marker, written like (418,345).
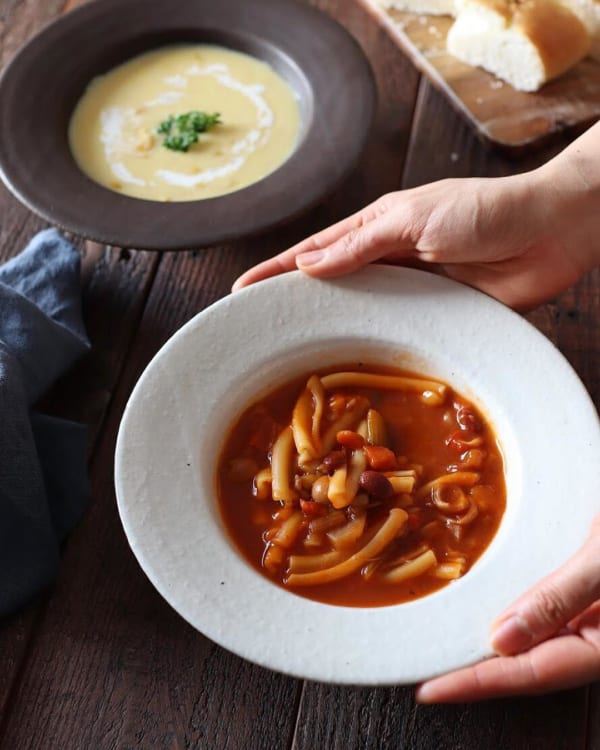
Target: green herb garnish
(182,131)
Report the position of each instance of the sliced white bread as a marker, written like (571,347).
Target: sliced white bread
(429,7)
(589,12)
(523,42)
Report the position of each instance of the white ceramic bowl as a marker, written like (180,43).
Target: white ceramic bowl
(246,344)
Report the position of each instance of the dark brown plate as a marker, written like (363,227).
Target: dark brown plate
(41,86)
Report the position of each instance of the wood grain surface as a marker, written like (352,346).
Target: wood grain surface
(513,120)
(100,661)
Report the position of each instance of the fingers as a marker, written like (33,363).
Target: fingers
(286,261)
(272,267)
(557,664)
(385,237)
(550,605)
(567,601)
(336,232)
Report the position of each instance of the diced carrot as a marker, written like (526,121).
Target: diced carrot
(312,508)
(380,458)
(350,439)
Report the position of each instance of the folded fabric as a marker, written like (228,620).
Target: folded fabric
(43,474)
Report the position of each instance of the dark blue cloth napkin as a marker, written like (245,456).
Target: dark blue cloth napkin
(43,474)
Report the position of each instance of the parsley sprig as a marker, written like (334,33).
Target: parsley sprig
(182,131)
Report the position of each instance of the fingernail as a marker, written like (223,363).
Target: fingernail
(511,636)
(310,259)
(422,694)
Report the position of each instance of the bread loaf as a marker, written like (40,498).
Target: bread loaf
(524,42)
(429,7)
(589,12)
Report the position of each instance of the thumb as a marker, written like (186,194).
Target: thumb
(552,603)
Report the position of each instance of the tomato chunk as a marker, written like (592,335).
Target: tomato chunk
(350,439)
(380,458)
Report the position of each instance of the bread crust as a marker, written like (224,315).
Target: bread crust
(589,13)
(558,34)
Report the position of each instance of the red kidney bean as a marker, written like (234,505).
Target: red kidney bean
(376,485)
(334,460)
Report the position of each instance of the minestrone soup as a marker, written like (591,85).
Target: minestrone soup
(362,486)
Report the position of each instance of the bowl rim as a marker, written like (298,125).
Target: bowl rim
(196,567)
(48,181)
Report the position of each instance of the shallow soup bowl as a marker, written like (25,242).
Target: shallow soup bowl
(324,66)
(241,348)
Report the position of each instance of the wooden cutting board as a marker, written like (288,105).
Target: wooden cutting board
(502,116)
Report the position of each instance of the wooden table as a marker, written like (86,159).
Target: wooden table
(101,661)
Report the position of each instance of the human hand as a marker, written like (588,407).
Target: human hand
(548,640)
(521,239)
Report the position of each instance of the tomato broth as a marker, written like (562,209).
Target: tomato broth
(362,486)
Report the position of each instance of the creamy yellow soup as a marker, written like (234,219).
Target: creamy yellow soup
(113,130)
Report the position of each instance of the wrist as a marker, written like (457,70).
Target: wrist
(568,187)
